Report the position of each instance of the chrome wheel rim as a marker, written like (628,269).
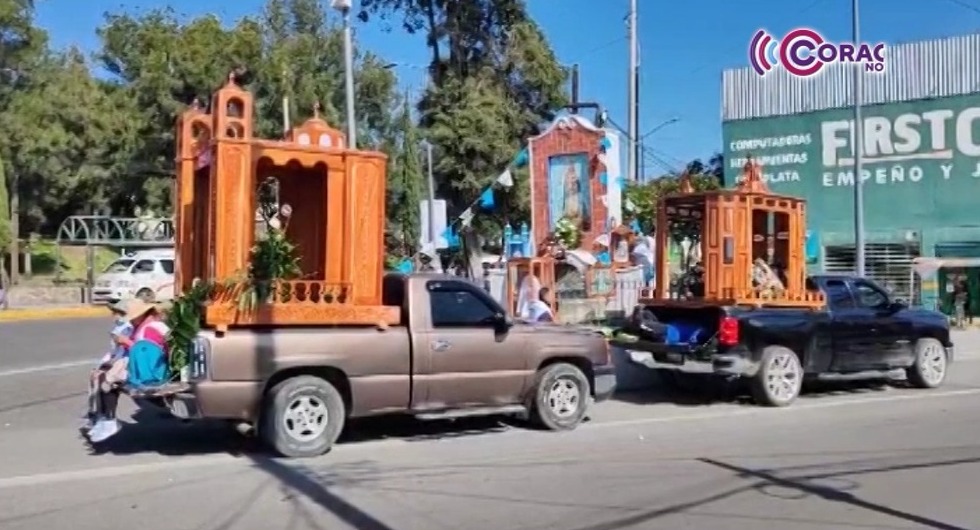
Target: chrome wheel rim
(306,418)
(932,364)
(783,376)
(564,397)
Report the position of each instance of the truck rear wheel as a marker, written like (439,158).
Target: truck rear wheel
(561,397)
(303,417)
(929,370)
(779,379)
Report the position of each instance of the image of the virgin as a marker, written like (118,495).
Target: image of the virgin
(572,208)
(528,293)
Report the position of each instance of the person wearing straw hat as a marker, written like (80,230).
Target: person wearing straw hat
(147,326)
(112,364)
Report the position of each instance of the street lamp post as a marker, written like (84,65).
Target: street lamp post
(859,257)
(344,6)
(642,159)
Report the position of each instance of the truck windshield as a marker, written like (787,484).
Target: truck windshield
(120,265)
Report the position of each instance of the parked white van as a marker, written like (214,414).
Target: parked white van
(147,274)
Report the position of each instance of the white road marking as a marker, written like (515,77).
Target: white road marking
(117,471)
(796,407)
(126,470)
(48,367)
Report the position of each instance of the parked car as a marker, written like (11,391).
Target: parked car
(148,275)
(861,330)
(456,353)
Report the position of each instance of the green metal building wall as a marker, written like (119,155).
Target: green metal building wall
(921,173)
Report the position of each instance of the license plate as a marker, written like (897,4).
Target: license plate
(671,358)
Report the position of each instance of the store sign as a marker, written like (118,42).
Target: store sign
(904,144)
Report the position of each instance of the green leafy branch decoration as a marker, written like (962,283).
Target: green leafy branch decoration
(273,258)
(567,233)
(184,320)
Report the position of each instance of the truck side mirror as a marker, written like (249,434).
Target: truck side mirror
(502,322)
(897,305)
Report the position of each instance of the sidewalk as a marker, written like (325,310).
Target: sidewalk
(51,312)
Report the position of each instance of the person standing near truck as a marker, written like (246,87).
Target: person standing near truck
(540,309)
(961,297)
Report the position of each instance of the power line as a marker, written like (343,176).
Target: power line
(599,49)
(965,5)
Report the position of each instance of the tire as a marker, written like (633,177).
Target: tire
(931,363)
(146,294)
(780,377)
(281,425)
(561,397)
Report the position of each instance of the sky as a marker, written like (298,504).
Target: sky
(684,47)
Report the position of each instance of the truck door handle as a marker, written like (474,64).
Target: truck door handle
(440,345)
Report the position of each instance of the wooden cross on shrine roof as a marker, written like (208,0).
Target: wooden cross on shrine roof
(752,178)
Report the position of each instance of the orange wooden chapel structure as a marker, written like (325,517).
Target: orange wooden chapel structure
(337,196)
(742,231)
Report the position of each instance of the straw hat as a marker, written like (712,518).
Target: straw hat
(137,308)
(118,307)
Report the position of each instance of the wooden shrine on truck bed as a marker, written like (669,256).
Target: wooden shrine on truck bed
(334,199)
(752,244)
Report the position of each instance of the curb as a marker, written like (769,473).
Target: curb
(51,313)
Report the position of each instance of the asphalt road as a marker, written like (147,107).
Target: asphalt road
(853,455)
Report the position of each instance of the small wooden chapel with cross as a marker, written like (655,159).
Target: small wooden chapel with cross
(332,200)
(752,246)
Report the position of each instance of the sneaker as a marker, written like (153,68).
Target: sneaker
(88,423)
(103,430)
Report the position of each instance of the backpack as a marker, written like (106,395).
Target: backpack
(147,365)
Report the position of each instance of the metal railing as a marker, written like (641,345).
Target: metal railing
(116,231)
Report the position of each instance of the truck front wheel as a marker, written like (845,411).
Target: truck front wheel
(561,397)
(929,370)
(779,379)
(303,417)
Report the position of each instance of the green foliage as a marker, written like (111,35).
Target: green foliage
(273,257)
(184,320)
(494,80)
(74,144)
(646,196)
(4,214)
(567,233)
(406,181)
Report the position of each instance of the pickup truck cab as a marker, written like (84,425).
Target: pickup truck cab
(861,329)
(454,354)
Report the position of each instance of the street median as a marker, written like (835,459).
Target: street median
(51,313)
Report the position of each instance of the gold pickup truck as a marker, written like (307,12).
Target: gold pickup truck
(455,354)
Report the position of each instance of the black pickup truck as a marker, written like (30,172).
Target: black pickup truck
(861,330)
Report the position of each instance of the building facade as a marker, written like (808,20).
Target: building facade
(921,169)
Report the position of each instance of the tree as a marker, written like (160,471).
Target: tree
(4,213)
(65,139)
(494,80)
(645,197)
(291,50)
(406,178)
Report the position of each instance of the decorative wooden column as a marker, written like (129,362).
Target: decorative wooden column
(232,179)
(193,136)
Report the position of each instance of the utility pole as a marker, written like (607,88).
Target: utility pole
(436,265)
(344,6)
(632,163)
(858,142)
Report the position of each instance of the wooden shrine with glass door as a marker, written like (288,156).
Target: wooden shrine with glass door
(752,247)
(332,199)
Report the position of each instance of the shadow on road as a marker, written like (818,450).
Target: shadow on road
(699,390)
(152,432)
(763,480)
